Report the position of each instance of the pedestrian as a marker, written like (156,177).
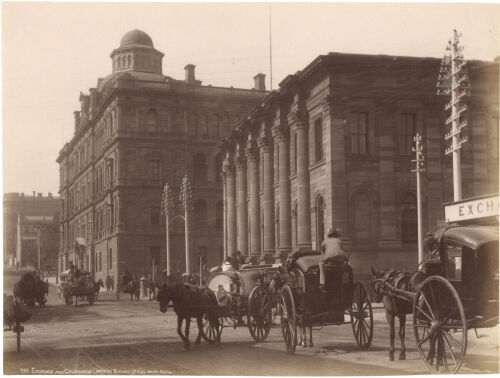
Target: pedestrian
(331,247)
(47,287)
(112,279)
(241,258)
(235,261)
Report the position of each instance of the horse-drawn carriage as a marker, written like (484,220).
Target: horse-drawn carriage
(243,295)
(302,303)
(456,290)
(30,289)
(76,287)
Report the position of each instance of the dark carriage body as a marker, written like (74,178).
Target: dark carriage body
(468,259)
(321,308)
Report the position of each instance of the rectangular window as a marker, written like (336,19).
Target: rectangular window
(359,140)
(154,170)
(110,258)
(406,134)
(318,139)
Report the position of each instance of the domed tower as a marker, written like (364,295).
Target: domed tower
(137,53)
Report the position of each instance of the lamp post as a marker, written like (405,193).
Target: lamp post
(167,206)
(187,203)
(419,167)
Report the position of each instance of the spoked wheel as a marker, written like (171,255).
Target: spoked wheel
(259,314)
(288,319)
(361,316)
(440,326)
(212,328)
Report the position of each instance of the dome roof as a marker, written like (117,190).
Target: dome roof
(136,37)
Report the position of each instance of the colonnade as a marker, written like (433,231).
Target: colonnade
(250,204)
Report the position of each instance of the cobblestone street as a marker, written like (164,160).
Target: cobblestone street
(124,337)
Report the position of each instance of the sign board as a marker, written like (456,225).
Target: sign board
(471,209)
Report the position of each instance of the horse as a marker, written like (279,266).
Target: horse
(97,287)
(395,306)
(304,326)
(132,288)
(189,302)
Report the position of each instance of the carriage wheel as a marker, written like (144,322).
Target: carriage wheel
(259,314)
(288,319)
(440,326)
(18,335)
(361,316)
(212,328)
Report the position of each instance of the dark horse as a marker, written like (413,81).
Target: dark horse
(132,288)
(395,306)
(189,302)
(97,287)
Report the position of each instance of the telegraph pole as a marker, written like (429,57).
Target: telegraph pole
(453,80)
(419,167)
(167,206)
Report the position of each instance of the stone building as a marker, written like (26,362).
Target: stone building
(135,131)
(27,222)
(333,147)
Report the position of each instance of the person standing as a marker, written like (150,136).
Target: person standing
(331,247)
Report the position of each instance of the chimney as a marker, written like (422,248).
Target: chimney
(77,119)
(190,79)
(260,82)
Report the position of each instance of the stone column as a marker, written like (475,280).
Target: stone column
(264,142)
(280,133)
(303,190)
(252,155)
(231,204)
(242,207)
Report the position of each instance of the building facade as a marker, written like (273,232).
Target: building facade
(137,130)
(332,147)
(31,225)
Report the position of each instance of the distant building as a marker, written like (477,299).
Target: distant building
(135,131)
(30,221)
(333,147)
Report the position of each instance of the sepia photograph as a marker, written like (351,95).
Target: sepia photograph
(250,188)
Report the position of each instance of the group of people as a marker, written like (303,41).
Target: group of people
(233,262)
(110,283)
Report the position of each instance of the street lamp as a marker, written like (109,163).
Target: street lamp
(167,207)
(419,167)
(187,203)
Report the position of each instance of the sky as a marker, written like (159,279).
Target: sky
(53,51)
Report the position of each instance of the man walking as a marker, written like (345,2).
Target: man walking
(331,247)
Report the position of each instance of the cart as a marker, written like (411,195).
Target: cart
(244,297)
(459,291)
(342,302)
(71,290)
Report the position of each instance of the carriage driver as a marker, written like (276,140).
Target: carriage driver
(331,247)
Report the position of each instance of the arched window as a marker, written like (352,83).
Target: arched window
(129,61)
(219,215)
(200,168)
(320,221)
(192,124)
(152,120)
(409,225)
(200,213)
(218,168)
(362,218)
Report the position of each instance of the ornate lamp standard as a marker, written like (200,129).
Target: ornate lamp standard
(187,203)
(167,206)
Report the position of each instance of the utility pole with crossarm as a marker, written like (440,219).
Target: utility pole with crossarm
(419,167)
(453,80)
